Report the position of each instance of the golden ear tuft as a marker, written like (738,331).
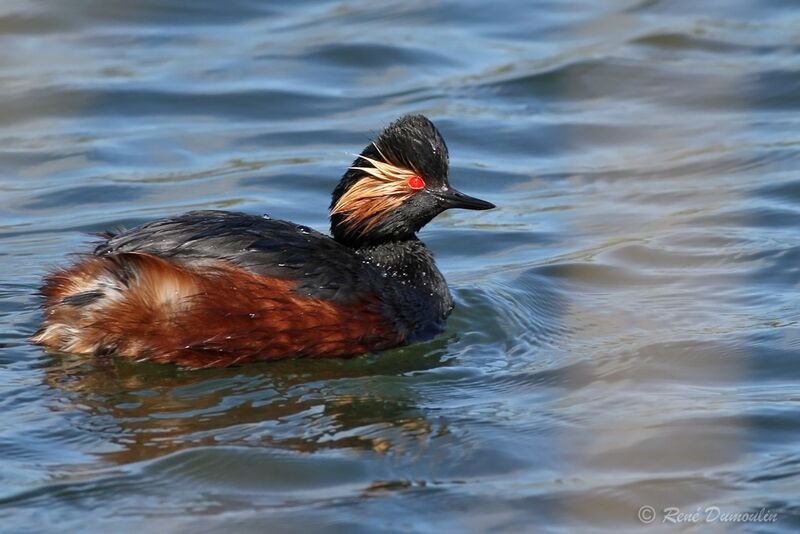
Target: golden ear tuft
(383,188)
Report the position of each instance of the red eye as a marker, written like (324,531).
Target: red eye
(416,183)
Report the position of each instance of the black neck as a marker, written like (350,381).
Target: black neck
(387,233)
(421,298)
(408,260)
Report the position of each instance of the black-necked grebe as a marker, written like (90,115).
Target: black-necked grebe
(217,288)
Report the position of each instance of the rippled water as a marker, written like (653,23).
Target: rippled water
(626,330)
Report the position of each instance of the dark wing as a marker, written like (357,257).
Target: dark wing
(322,267)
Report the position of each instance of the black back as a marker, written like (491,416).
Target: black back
(322,267)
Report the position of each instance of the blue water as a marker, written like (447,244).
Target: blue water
(626,331)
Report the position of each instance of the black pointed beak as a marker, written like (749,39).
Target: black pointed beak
(452,198)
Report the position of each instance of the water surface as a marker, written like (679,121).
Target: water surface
(626,331)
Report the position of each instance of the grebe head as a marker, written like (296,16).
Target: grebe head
(396,186)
